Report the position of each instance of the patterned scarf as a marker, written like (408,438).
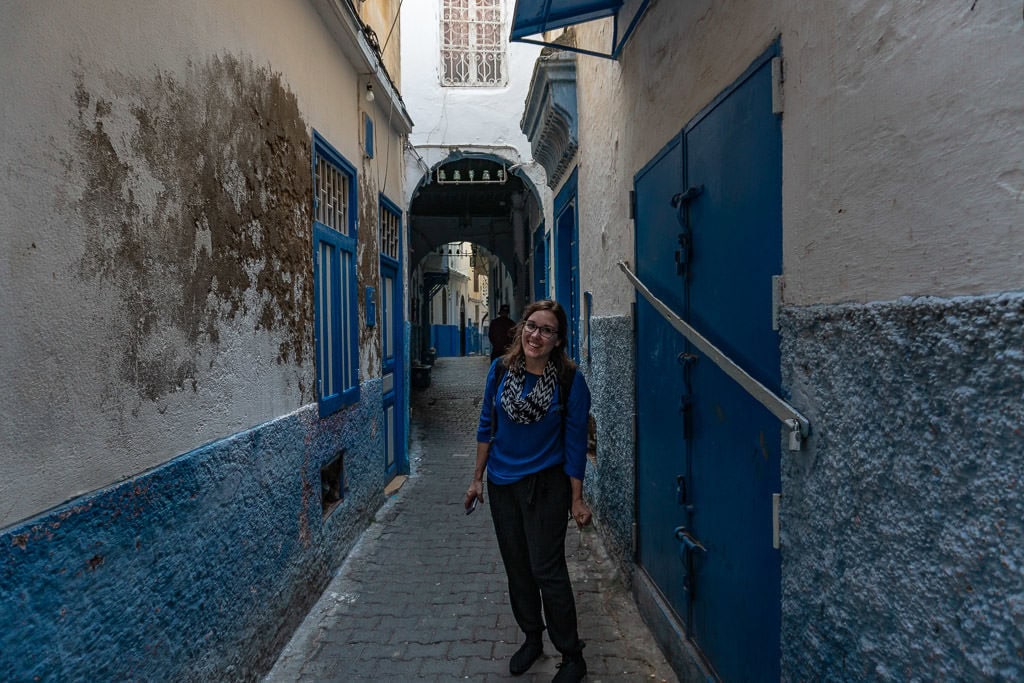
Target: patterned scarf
(533,406)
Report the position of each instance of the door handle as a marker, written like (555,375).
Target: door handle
(688,541)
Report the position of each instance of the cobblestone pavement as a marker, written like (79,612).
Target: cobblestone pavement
(422,595)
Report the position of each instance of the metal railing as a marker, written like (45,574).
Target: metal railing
(798,425)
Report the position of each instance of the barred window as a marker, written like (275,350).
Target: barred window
(472,43)
(390,227)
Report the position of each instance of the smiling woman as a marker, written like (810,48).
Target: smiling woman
(532,442)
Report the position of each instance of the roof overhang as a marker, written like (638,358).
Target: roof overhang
(534,17)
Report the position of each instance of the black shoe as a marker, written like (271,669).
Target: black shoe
(526,655)
(572,668)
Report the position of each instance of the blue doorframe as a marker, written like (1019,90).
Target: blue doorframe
(395,395)
(708,243)
(567,259)
(540,264)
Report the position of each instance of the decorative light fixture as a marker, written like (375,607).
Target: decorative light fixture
(467,176)
(369,92)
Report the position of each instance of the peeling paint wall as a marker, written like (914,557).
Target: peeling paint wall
(195,205)
(156,334)
(156,229)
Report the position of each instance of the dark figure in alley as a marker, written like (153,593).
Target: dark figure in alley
(532,442)
(500,332)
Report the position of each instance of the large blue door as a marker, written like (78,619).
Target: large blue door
(721,222)
(661,447)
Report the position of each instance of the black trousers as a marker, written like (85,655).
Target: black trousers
(530,518)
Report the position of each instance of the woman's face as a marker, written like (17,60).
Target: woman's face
(535,346)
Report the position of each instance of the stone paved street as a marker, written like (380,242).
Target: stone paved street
(422,596)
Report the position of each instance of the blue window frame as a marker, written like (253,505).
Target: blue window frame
(567,260)
(335,306)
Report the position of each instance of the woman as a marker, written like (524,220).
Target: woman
(532,440)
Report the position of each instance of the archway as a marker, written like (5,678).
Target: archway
(486,202)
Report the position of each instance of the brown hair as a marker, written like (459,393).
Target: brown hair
(563,362)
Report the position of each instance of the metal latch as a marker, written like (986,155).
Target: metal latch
(688,541)
(682,198)
(796,436)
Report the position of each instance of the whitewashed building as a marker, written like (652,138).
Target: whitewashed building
(202,248)
(470,172)
(822,479)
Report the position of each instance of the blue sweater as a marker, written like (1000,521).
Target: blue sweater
(520,450)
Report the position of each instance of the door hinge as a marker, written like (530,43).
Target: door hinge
(634,533)
(632,204)
(777,81)
(776,503)
(683,254)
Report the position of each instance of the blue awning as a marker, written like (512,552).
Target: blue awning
(531,17)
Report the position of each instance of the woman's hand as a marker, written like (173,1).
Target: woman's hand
(581,512)
(475,492)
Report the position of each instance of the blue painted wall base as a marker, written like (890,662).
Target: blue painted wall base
(197,570)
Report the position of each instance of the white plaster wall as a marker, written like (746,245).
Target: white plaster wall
(903,163)
(470,119)
(68,423)
(460,115)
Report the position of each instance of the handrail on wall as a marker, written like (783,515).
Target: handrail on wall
(799,426)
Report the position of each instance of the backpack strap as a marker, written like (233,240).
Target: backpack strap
(499,374)
(564,387)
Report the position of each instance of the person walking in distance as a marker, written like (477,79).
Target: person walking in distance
(500,332)
(532,443)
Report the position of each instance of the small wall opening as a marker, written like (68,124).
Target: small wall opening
(333,483)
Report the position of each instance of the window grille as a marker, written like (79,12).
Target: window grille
(390,225)
(332,192)
(472,43)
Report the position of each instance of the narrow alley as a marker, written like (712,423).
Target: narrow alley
(253,256)
(422,594)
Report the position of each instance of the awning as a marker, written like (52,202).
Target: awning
(531,17)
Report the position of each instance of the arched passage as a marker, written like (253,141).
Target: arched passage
(478,206)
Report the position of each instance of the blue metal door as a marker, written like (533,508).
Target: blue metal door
(726,235)
(661,447)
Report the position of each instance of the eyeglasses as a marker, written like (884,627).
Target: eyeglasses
(545,332)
